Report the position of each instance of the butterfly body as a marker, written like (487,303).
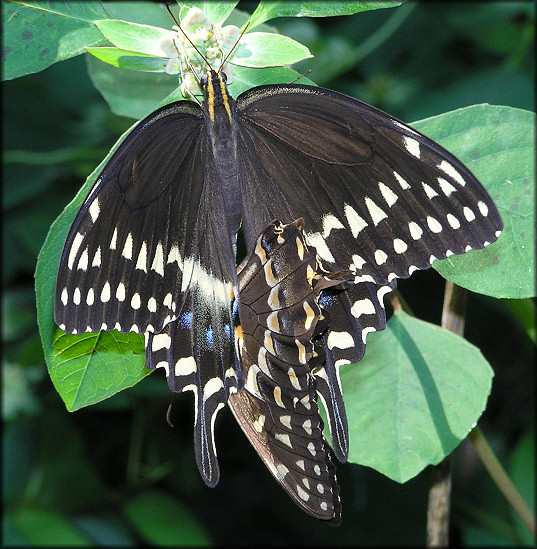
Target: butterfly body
(221,130)
(152,248)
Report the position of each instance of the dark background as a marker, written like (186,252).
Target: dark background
(82,467)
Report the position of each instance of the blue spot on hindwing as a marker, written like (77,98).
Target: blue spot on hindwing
(185,320)
(325,299)
(209,336)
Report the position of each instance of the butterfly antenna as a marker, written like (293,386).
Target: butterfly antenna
(233,48)
(299,77)
(187,37)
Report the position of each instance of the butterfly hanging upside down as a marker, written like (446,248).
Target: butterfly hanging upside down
(152,250)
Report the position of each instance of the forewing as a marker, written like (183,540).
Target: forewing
(122,263)
(377,197)
(277,410)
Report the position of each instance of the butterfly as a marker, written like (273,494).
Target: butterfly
(282,322)
(152,249)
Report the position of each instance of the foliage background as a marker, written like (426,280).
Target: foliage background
(116,473)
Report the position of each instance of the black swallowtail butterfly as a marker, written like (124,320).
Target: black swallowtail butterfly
(152,248)
(280,284)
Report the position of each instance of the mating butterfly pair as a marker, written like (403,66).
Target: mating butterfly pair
(152,250)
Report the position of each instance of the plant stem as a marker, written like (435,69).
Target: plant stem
(381,35)
(439,504)
(504,483)
(453,312)
(452,318)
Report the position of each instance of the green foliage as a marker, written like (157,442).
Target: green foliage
(161,520)
(498,146)
(269,10)
(41,527)
(414,397)
(34,36)
(87,369)
(114,473)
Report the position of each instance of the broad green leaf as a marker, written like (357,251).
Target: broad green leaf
(88,368)
(38,34)
(46,528)
(161,520)
(70,359)
(267,9)
(414,397)
(245,78)
(498,145)
(216,12)
(145,13)
(130,60)
(134,94)
(263,49)
(135,37)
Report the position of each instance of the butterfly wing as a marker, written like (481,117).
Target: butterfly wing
(351,313)
(280,284)
(148,253)
(377,197)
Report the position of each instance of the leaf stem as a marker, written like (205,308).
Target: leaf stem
(504,483)
(373,42)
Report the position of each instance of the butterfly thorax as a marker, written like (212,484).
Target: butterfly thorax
(221,130)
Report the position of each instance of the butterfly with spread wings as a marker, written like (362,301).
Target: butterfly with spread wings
(152,248)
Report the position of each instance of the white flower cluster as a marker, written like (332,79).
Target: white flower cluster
(213,42)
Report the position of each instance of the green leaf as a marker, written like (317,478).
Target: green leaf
(498,145)
(76,363)
(134,94)
(414,397)
(130,60)
(86,369)
(162,520)
(134,37)
(38,34)
(216,12)
(46,528)
(245,78)
(263,49)
(267,9)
